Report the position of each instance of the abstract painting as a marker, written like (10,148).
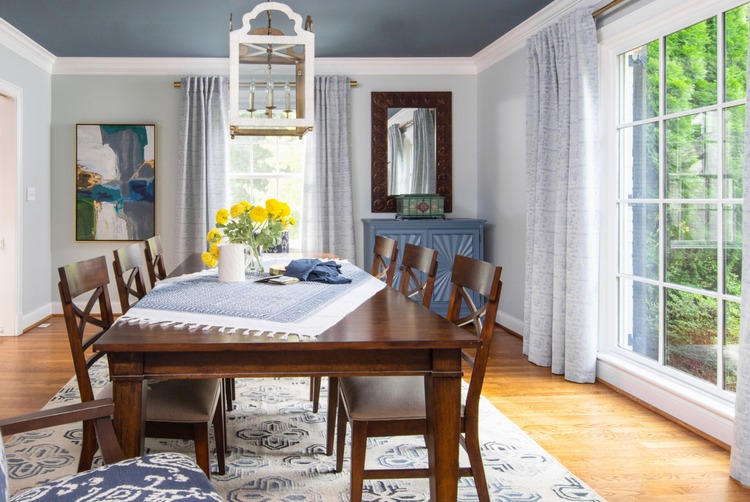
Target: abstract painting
(115,167)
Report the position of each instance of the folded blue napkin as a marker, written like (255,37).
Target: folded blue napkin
(312,269)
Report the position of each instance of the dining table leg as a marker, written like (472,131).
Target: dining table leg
(443,412)
(130,410)
(333,402)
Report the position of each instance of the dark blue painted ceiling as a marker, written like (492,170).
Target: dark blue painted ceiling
(199,28)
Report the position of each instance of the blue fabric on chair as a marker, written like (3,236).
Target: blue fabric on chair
(312,269)
(164,476)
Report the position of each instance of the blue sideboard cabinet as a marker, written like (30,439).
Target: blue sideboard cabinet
(450,237)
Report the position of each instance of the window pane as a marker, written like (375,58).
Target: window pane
(691,67)
(734,151)
(731,344)
(639,155)
(692,156)
(254,190)
(735,44)
(240,157)
(240,190)
(733,249)
(640,240)
(639,77)
(691,254)
(265,188)
(639,308)
(290,157)
(691,334)
(263,157)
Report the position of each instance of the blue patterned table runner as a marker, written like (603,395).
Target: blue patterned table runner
(203,302)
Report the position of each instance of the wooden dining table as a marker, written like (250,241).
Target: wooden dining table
(388,334)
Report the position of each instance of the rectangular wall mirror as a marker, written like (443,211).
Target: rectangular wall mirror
(411,146)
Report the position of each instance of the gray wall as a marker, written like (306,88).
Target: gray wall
(502,168)
(150,99)
(35,159)
(109,100)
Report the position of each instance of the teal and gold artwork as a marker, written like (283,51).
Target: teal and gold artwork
(115,174)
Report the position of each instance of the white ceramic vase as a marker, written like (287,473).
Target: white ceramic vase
(231,262)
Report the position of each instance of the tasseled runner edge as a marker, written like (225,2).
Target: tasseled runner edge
(226,330)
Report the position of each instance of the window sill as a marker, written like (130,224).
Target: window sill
(707,414)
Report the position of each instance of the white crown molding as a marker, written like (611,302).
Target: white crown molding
(25,47)
(213,66)
(141,66)
(396,66)
(516,38)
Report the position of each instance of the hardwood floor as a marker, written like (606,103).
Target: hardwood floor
(620,448)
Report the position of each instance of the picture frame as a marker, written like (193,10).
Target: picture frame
(115,182)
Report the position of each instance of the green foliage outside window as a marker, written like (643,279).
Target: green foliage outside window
(692,155)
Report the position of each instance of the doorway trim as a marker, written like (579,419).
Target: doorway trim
(12,190)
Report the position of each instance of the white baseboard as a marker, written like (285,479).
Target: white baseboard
(698,410)
(509,322)
(36,316)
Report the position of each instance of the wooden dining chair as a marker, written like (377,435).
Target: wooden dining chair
(395,405)
(155,266)
(175,409)
(129,275)
(418,271)
(385,255)
(416,260)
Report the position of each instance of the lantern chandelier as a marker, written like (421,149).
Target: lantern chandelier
(271,74)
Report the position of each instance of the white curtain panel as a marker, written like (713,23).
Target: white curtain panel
(423,170)
(563,180)
(202,183)
(740,458)
(396,168)
(327,214)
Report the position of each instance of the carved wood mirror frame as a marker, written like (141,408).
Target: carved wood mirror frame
(441,102)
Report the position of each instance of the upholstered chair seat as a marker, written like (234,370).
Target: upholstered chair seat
(176,401)
(170,400)
(164,476)
(387,398)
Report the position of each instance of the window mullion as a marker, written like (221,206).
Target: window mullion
(662,196)
(720,96)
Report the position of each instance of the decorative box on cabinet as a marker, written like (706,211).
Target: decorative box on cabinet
(450,237)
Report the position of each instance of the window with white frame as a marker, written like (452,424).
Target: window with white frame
(680,155)
(268,167)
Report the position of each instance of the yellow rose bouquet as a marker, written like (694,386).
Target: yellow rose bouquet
(258,227)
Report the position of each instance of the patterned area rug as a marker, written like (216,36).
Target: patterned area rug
(278,453)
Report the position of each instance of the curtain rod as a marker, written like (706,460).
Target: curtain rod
(601,10)
(352,83)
